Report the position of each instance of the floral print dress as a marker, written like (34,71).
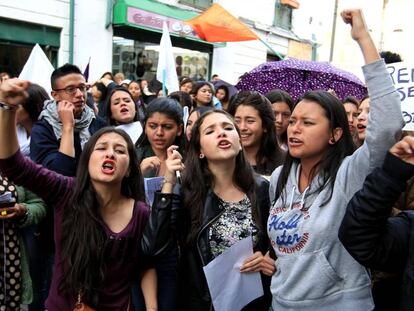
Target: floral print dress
(233,225)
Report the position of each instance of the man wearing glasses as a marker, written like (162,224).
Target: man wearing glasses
(65,124)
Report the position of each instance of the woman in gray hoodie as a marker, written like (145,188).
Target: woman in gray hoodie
(310,192)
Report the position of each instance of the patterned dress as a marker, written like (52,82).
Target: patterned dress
(233,225)
(10,264)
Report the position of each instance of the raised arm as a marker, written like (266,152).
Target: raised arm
(370,235)
(48,185)
(360,34)
(385,120)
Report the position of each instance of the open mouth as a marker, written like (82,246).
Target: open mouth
(108,167)
(361,127)
(224,144)
(124,110)
(294,142)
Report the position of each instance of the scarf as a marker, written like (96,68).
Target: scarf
(10,258)
(50,114)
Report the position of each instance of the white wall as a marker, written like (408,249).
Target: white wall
(91,38)
(46,12)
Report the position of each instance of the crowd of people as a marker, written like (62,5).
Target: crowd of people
(314,184)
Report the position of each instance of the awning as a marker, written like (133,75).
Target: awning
(294,4)
(147,17)
(23,32)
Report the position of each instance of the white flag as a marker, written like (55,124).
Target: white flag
(166,72)
(38,69)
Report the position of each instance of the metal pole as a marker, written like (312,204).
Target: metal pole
(71,29)
(333,31)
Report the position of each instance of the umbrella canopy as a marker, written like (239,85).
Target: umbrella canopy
(299,76)
(232,89)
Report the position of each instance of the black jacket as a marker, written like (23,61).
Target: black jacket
(193,289)
(377,240)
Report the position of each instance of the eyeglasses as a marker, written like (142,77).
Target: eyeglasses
(71,90)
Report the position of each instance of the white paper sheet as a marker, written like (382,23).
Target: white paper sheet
(134,130)
(231,290)
(151,185)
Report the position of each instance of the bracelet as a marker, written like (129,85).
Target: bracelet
(4,106)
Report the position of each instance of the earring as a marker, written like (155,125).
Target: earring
(201,156)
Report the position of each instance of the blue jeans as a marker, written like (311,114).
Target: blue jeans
(166,267)
(40,267)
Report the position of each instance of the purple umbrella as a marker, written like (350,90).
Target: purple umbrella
(300,76)
(231,87)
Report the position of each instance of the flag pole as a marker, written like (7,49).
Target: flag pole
(164,74)
(270,48)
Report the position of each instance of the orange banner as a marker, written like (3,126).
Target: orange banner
(218,25)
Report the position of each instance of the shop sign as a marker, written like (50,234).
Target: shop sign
(153,20)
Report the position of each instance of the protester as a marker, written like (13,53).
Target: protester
(192,118)
(390,57)
(223,95)
(253,115)
(351,105)
(118,78)
(282,106)
(28,113)
(215,77)
(362,120)
(377,240)
(202,94)
(186,85)
(320,175)
(4,76)
(223,204)
(105,204)
(98,91)
(15,277)
(163,128)
(183,98)
(121,108)
(108,75)
(65,122)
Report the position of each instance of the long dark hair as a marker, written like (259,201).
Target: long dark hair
(198,86)
(172,109)
(270,155)
(34,102)
(198,180)
(108,114)
(83,237)
(332,157)
(226,90)
(280,96)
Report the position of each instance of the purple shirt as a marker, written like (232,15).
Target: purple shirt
(123,259)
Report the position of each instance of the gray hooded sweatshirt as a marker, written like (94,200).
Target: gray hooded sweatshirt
(314,271)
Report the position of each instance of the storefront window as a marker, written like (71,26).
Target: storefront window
(139,60)
(13,56)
